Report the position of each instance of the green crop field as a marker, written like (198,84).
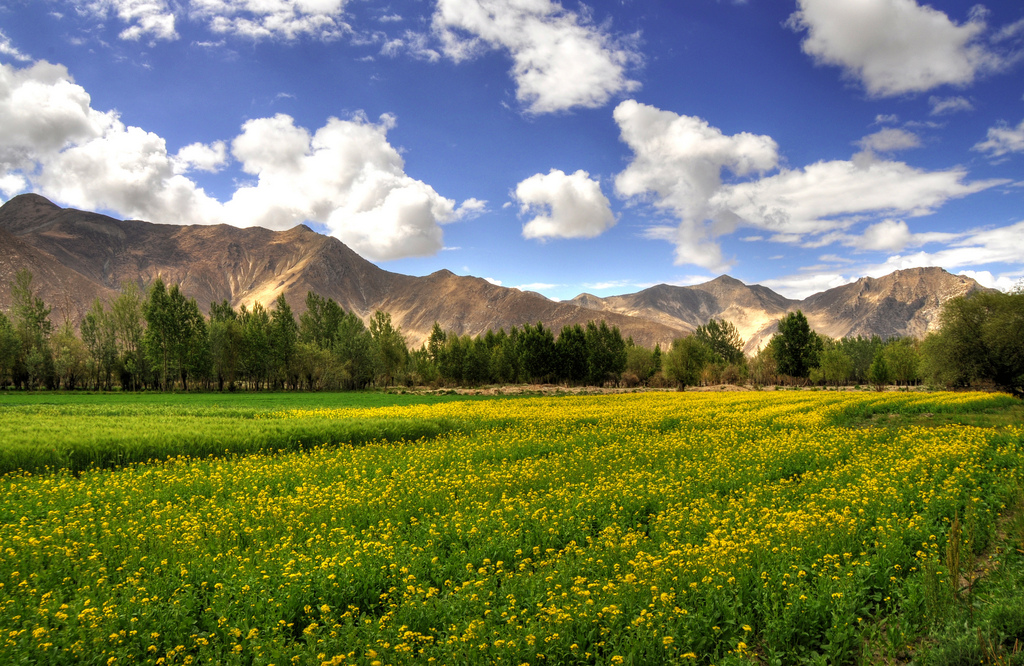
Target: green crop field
(710,528)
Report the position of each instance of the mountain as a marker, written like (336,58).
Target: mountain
(903,303)
(77,256)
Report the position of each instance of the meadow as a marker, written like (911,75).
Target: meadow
(710,528)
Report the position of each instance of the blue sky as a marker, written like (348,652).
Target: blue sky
(564,148)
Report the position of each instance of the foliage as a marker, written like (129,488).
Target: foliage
(723,339)
(686,360)
(797,347)
(979,340)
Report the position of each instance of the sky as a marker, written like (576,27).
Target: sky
(558,147)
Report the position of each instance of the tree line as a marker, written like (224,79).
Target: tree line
(160,340)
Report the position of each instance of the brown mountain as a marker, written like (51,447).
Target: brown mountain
(903,303)
(77,256)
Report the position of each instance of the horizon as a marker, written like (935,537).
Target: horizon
(555,148)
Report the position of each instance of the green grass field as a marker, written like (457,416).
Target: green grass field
(663,528)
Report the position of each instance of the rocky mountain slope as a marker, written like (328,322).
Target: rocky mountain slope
(77,256)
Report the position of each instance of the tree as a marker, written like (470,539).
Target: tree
(640,363)
(127,319)
(979,339)
(723,339)
(31,320)
(685,361)
(537,351)
(255,357)
(606,353)
(903,360)
(10,349)
(226,344)
(389,347)
(176,338)
(836,366)
(571,354)
(284,336)
(879,374)
(100,340)
(798,346)
(353,352)
(70,357)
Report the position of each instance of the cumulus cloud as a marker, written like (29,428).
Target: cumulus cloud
(201,157)
(896,46)
(564,206)
(1002,139)
(345,175)
(678,164)
(945,105)
(561,59)
(890,140)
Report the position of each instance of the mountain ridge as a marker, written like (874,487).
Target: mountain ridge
(77,256)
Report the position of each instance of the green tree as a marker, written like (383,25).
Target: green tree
(31,320)
(537,352)
(979,339)
(10,349)
(836,366)
(798,346)
(606,353)
(879,374)
(255,357)
(640,363)
(353,352)
(903,359)
(126,317)
(685,361)
(388,346)
(723,339)
(70,357)
(100,340)
(571,360)
(284,336)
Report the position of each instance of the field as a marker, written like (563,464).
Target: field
(761,527)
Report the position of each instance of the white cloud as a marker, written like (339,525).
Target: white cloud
(41,111)
(273,19)
(8,49)
(496,283)
(946,105)
(801,286)
(886,119)
(895,46)
(889,140)
(561,60)
(825,196)
(565,206)
(345,175)
(678,163)
(1000,282)
(536,286)
(471,208)
(1002,139)
(888,235)
(678,160)
(145,18)
(968,254)
(201,157)
(252,19)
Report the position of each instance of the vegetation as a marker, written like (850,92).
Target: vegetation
(652,528)
(162,341)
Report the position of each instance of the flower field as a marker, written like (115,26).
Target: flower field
(634,529)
